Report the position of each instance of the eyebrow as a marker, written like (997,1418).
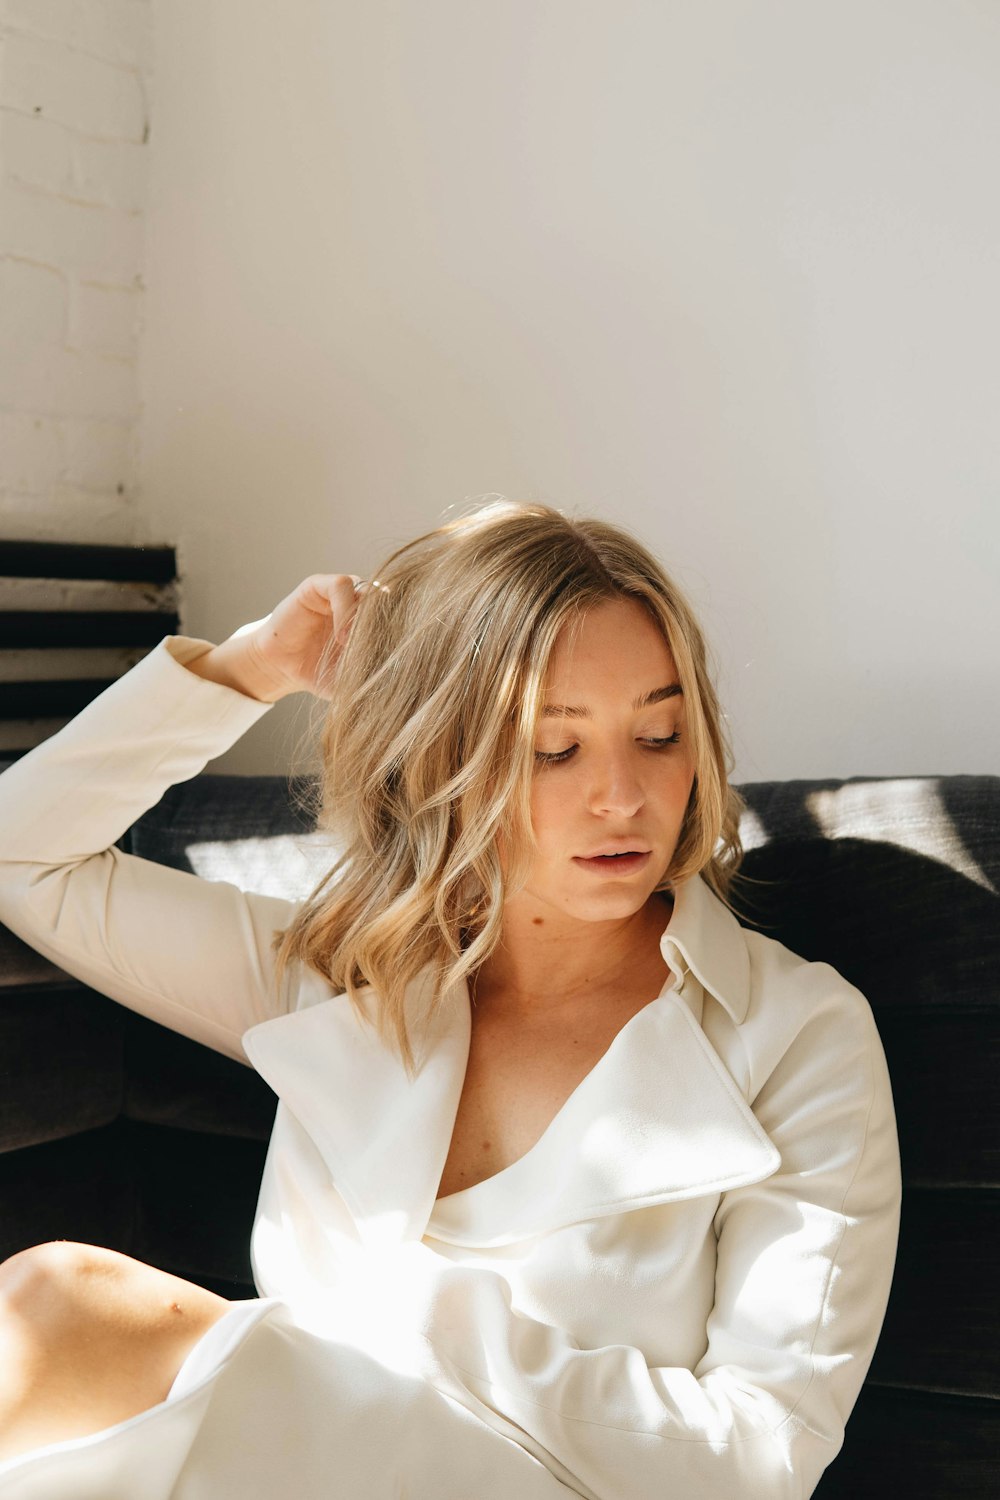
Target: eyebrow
(658,695)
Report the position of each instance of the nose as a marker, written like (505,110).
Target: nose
(616,789)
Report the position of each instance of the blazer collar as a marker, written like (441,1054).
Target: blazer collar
(704,938)
(658,1119)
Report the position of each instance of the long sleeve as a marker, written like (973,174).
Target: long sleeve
(192,954)
(804,1265)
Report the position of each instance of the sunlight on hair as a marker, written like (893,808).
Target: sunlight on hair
(909,813)
(427,746)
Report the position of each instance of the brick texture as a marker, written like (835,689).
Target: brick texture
(73,164)
(116,30)
(31,452)
(105,320)
(33,304)
(72,88)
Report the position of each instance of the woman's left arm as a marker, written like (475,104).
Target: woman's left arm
(804,1265)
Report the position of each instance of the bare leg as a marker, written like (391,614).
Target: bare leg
(88,1338)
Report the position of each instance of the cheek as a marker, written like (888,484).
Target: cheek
(676,792)
(547,809)
(685,791)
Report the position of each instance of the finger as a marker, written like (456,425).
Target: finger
(344,595)
(324,593)
(341,597)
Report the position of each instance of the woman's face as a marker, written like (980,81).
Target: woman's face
(613,770)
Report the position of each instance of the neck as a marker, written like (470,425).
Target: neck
(544,964)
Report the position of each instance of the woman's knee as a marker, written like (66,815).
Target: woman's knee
(89,1337)
(28,1269)
(35,1281)
(72,1300)
(47,1283)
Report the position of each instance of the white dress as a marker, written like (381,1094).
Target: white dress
(676,1291)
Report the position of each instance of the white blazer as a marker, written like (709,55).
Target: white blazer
(676,1291)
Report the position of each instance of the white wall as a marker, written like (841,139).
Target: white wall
(72,192)
(724,272)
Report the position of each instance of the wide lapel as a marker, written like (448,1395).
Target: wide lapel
(383,1136)
(658,1119)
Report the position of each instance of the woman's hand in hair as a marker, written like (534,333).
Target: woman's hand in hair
(294,649)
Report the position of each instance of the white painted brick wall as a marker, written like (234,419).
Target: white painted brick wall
(33,451)
(105,319)
(60,83)
(34,303)
(98,454)
(73,127)
(116,30)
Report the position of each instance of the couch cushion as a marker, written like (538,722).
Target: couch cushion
(60,1063)
(255,831)
(21,966)
(172,1081)
(894,882)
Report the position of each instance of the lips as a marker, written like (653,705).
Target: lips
(614,847)
(621,862)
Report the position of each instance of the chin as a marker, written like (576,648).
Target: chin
(614,906)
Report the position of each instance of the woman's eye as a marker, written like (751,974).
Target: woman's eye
(651,742)
(552,757)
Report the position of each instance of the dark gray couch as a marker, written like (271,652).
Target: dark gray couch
(115,1131)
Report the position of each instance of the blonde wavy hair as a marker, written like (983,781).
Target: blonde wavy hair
(428,749)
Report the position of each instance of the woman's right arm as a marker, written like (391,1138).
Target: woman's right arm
(192,954)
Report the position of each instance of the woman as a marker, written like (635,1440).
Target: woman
(576,1186)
